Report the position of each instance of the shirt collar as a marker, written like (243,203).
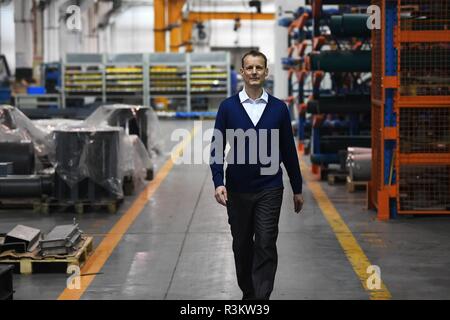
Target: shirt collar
(243,96)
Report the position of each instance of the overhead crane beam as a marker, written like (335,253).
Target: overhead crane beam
(201,16)
(195,17)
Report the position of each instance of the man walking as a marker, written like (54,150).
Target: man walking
(253,196)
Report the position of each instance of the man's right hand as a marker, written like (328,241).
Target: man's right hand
(221,195)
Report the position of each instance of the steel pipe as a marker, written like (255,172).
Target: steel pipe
(350,25)
(341,61)
(340,104)
(25,186)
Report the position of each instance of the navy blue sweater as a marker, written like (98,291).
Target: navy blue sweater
(247,177)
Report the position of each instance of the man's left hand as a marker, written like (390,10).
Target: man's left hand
(298,202)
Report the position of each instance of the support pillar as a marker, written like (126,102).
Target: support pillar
(159,7)
(24,38)
(175,11)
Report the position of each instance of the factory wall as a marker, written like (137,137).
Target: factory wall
(131,31)
(7,34)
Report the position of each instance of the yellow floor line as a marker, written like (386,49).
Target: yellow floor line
(349,244)
(112,238)
(352,250)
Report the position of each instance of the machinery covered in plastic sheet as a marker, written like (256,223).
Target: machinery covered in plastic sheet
(105,156)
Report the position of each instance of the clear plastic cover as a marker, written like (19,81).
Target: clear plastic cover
(114,142)
(140,120)
(136,159)
(90,152)
(50,125)
(17,127)
(155,144)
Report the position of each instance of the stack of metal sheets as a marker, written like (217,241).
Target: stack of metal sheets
(62,240)
(21,239)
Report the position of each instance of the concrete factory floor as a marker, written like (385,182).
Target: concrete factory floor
(179,245)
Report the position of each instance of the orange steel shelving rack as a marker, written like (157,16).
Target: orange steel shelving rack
(411,108)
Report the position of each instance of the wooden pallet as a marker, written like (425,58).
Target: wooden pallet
(55,264)
(80,207)
(352,186)
(21,203)
(337,178)
(46,206)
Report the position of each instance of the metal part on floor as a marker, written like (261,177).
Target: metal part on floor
(61,240)
(22,239)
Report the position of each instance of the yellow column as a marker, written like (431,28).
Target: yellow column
(160,25)
(186,28)
(175,10)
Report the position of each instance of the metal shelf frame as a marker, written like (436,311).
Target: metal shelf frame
(215,59)
(127,60)
(389,192)
(308,29)
(187,61)
(83,61)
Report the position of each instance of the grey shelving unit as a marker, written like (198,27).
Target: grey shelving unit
(83,75)
(168,77)
(125,77)
(209,73)
(142,77)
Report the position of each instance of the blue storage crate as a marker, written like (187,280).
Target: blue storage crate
(36,90)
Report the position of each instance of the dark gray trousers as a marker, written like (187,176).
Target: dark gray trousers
(253,218)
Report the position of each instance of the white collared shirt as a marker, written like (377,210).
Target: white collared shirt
(254,108)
